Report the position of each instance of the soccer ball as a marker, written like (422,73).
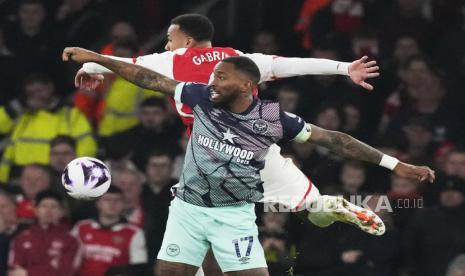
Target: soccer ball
(86,178)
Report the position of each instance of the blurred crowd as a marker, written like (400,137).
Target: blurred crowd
(416,113)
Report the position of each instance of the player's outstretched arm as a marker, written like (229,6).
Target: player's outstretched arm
(349,147)
(136,74)
(273,67)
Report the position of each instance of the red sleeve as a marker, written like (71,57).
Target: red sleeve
(17,255)
(66,264)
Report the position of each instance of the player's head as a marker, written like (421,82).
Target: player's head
(234,78)
(188,31)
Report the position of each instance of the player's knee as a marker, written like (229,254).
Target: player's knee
(165,268)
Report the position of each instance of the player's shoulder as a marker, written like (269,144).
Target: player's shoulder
(228,51)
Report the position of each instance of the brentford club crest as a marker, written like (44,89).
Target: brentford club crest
(260,126)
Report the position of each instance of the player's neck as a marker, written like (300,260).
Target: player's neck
(241,105)
(203,44)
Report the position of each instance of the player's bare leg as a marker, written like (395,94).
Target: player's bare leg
(210,265)
(250,272)
(164,268)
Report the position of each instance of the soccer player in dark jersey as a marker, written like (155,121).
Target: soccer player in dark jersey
(190,57)
(230,138)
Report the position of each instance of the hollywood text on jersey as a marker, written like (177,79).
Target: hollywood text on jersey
(241,156)
(213,56)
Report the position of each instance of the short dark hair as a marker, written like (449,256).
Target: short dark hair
(114,190)
(246,66)
(153,102)
(41,167)
(63,139)
(49,194)
(160,152)
(31,2)
(195,25)
(37,77)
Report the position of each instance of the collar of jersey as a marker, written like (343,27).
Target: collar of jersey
(251,106)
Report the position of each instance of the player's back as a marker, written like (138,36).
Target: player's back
(197,64)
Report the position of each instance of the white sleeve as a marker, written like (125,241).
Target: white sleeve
(137,249)
(161,63)
(94,68)
(273,67)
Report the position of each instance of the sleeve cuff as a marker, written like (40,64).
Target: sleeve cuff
(343,68)
(304,134)
(178,92)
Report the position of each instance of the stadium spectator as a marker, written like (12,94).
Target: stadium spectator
(340,16)
(419,135)
(109,240)
(265,42)
(353,121)
(156,198)
(324,89)
(62,151)
(434,236)
(421,93)
(31,42)
(151,133)
(352,178)
(79,22)
(34,179)
(44,116)
(46,248)
(361,254)
(279,252)
(130,182)
(122,98)
(404,197)
(288,98)
(454,164)
(9,227)
(121,31)
(405,18)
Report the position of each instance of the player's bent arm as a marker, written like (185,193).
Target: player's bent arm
(344,145)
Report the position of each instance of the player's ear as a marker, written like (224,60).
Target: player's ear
(189,42)
(247,86)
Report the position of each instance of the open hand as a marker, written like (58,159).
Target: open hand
(360,70)
(87,81)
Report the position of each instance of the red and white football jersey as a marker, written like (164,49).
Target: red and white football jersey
(119,245)
(196,65)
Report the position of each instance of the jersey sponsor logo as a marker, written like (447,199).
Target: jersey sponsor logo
(260,126)
(209,57)
(103,253)
(241,155)
(173,250)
